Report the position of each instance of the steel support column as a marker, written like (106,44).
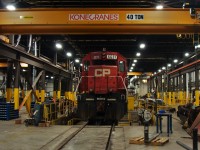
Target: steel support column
(173,92)
(184,88)
(196,86)
(180,90)
(43,86)
(30,80)
(9,81)
(57,88)
(16,85)
(169,101)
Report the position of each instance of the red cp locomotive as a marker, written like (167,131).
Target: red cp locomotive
(103,87)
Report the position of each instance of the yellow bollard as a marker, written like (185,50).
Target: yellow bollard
(58,95)
(8,94)
(42,95)
(173,98)
(158,95)
(130,103)
(16,98)
(169,98)
(165,97)
(197,97)
(54,95)
(148,95)
(180,97)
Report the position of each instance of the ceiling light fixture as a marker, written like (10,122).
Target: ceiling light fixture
(163,68)
(138,54)
(175,60)
(187,54)
(11,7)
(197,46)
(47,76)
(58,45)
(133,65)
(131,68)
(159,70)
(23,65)
(142,46)
(81,64)
(69,54)
(159,7)
(77,60)
(51,77)
(134,60)
(169,65)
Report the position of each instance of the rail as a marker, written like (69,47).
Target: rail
(60,145)
(108,144)
(123,81)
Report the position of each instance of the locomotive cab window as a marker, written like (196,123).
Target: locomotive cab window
(105,62)
(86,64)
(121,66)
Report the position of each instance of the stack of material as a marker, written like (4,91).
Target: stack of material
(7,111)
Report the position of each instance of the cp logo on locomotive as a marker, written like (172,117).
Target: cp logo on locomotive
(101,72)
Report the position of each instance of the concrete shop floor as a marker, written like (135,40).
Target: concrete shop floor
(19,137)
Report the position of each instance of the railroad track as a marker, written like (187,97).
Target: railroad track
(91,137)
(84,138)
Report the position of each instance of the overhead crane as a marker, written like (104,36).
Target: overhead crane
(94,21)
(99,21)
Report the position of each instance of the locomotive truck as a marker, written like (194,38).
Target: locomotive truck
(102,92)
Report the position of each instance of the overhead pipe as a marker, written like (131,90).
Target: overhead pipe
(183,67)
(187,86)
(18,40)
(30,43)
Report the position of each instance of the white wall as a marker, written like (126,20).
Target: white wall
(49,87)
(142,88)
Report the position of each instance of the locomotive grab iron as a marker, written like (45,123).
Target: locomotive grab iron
(103,92)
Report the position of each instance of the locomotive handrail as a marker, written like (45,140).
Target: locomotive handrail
(123,81)
(79,81)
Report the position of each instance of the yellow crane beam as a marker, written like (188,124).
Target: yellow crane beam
(139,73)
(98,21)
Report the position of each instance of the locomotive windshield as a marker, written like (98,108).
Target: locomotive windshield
(105,62)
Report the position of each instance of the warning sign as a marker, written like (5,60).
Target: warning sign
(94,17)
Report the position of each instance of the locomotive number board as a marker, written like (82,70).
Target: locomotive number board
(111,56)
